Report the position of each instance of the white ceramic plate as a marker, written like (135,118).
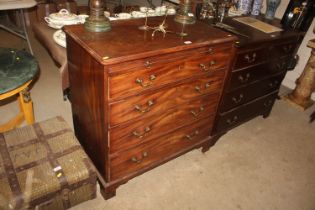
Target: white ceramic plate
(55,26)
(60,38)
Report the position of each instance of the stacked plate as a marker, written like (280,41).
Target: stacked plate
(64,17)
(60,38)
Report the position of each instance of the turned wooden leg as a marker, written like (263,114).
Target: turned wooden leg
(26,106)
(305,84)
(107,192)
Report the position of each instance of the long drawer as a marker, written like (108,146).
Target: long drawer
(245,112)
(246,76)
(142,106)
(139,80)
(250,92)
(122,138)
(158,150)
(167,58)
(250,58)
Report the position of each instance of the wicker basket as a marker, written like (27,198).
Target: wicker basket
(43,166)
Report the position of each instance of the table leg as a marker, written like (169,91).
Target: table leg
(25,31)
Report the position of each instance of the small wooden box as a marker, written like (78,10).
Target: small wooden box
(43,166)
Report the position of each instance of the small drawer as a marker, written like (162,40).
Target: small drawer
(138,132)
(139,107)
(261,106)
(283,49)
(249,58)
(164,59)
(279,65)
(153,153)
(142,79)
(247,76)
(255,73)
(250,92)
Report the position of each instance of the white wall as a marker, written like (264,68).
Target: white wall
(303,52)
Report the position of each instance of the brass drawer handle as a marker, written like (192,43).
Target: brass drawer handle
(281,66)
(268,103)
(141,135)
(232,121)
(196,114)
(250,59)
(204,67)
(148,64)
(198,88)
(212,63)
(239,99)
(274,83)
(136,160)
(145,109)
(244,79)
(191,136)
(147,84)
(287,48)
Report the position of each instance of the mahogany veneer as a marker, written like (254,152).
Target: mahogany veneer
(139,101)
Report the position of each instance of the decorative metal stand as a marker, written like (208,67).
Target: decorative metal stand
(185,15)
(162,27)
(145,27)
(305,84)
(97,22)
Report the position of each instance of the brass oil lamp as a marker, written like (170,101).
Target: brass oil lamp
(97,22)
(185,14)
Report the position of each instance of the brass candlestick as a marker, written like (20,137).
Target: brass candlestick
(185,15)
(97,22)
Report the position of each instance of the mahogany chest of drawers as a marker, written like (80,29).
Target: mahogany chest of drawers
(259,66)
(139,101)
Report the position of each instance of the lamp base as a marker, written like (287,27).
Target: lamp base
(184,19)
(101,25)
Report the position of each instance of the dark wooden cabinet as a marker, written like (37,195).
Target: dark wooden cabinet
(259,66)
(139,101)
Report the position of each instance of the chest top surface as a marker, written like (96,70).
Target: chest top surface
(256,36)
(126,42)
